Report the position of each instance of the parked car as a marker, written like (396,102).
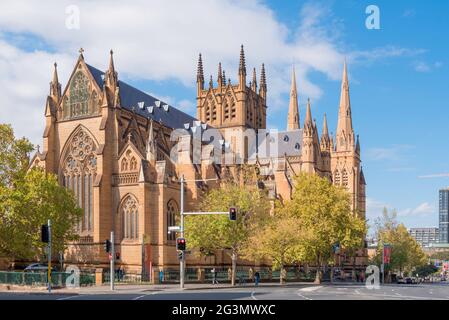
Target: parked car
(408,280)
(400,280)
(38,267)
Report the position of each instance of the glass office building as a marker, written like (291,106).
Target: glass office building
(443,217)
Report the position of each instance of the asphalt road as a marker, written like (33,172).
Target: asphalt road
(323,292)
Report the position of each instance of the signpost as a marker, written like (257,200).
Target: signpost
(49,256)
(386,257)
(112,262)
(182,257)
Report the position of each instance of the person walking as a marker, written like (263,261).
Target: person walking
(214,276)
(257,278)
(161,276)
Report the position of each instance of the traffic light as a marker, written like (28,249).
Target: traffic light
(233,214)
(180,255)
(45,234)
(181,244)
(107,246)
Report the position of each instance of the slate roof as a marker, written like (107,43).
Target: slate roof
(283,143)
(131,97)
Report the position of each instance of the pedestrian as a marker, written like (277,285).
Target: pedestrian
(214,276)
(256,278)
(161,276)
(121,273)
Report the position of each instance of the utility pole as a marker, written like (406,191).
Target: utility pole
(183,256)
(49,256)
(112,258)
(182,262)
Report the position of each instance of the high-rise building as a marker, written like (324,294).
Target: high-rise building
(443,216)
(425,236)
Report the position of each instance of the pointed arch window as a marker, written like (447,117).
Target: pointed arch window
(337,178)
(78,174)
(81,99)
(172,212)
(226,111)
(214,111)
(130,218)
(233,109)
(345,178)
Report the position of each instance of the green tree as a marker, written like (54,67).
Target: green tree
(326,217)
(14,156)
(278,240)
(406,253)
(28,205)
(33,200)
(209,233)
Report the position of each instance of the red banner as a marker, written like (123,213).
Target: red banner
(387,254)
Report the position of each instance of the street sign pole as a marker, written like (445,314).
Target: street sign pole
(112,258)
(182,260)
(49,256)
(383,264)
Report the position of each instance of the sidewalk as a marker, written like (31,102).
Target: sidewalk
(137,288)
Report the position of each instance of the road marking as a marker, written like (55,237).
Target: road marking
(310,289)
(253,295)
(66,298)
(139,297)
(302,296)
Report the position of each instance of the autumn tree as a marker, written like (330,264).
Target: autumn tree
(406,253)
(208,233)
(278,240)
(326,217)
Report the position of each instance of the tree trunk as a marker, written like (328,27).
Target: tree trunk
(234,267)
(281,278)
(318,275)
(353,268)
(318,272)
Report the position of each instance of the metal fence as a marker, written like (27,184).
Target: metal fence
(58,279)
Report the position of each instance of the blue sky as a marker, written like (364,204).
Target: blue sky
(399,74)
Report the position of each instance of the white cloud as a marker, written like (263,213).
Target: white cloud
(424,209)
(422,66)
(437,175)
(395,152)
(160,40)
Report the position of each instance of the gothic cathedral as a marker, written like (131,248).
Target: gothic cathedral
(110,144)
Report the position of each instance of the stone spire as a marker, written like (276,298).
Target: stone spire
(220,75)
(151,145)
(224,77)
(293,113)
(263,83)
(325,140)
(357,146)
(254,81)
(242,69)
(55,86)
(345,131)
(111,76)
(211,82)
(242,63)
(200,76)
(308,120)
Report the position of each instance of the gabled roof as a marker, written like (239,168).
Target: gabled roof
(130,98)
